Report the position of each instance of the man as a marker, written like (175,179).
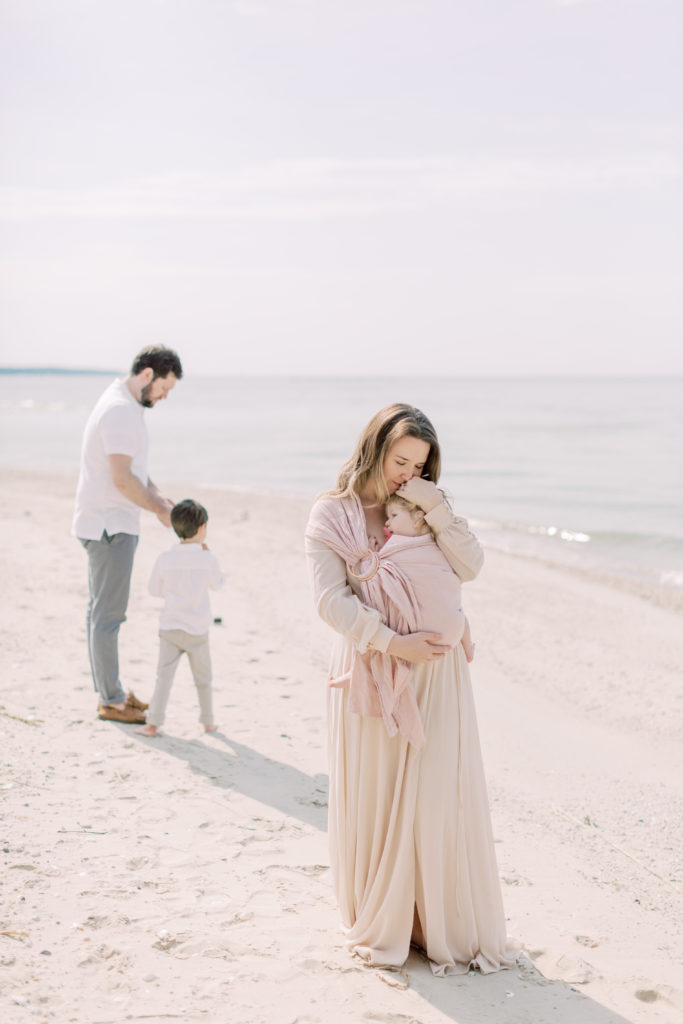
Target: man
(113,486)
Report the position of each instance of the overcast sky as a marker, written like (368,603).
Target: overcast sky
(343,186)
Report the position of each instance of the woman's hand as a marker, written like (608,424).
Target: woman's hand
(422,492)
(418,647)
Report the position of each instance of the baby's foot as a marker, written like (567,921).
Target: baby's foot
(148,730)
(210,728)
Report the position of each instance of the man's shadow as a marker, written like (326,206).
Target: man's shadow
(253,774)
(520,995)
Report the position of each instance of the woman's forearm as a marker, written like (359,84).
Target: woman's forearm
(336,603)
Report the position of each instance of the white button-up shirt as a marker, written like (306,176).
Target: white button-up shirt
(183,576)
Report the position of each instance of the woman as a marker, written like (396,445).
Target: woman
(410,834)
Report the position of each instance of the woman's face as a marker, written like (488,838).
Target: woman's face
(404,460)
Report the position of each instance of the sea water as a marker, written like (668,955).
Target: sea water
(587,472)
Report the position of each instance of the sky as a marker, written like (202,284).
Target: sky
(343,187)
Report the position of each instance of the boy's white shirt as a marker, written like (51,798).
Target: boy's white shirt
(183,576)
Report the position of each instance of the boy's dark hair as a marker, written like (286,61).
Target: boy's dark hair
(187,517)
(162,360)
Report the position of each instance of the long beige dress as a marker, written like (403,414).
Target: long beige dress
(410,836)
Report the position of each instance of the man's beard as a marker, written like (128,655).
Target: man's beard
(144,396)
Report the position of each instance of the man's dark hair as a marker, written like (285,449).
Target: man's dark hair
(162,360)
(187,517)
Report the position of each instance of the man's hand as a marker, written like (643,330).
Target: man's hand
(164,514)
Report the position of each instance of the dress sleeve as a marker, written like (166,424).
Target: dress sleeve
(461,548)
(336,603)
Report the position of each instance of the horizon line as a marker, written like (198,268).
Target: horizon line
(97,372)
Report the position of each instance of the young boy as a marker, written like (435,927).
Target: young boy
(404,519)
(183,576)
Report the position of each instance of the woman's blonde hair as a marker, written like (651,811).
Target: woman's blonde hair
(387,427)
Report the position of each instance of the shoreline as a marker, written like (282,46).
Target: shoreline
(669,598)
(189,875)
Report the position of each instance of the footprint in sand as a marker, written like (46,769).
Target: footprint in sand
(390,1018)
(95,921)
(115,959)
(564,968)
(575,972)
(514,879)
(527,971)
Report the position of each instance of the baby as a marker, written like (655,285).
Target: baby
(405,519)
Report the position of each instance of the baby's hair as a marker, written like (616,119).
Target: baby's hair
(187,518)
(413,510)
(397,499)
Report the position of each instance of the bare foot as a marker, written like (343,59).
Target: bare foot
(148,730)
(210,728)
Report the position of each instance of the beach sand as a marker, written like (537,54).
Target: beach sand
(187,878)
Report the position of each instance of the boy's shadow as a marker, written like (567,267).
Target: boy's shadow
(253,774)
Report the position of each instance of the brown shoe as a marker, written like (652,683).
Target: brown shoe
(133,702)
(128,714)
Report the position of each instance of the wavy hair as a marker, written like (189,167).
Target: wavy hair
(387,427)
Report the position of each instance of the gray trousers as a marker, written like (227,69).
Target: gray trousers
(173,643)
(110,565)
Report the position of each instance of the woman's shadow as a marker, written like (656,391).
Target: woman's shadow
(520,995)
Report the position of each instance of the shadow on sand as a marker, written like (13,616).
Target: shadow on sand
(520,995)
(239,767)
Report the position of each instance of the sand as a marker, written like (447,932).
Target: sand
(187,878)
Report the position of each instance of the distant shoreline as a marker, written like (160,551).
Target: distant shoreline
(61,371)
(66,371)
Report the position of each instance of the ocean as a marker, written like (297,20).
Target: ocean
(585,472)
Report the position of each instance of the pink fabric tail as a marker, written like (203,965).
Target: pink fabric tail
(379,685)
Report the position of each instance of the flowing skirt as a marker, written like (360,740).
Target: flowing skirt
(411,845)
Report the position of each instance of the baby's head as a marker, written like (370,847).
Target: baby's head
(189,519)
(405,518)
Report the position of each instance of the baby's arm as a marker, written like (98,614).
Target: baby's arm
(461,548)
(466,641)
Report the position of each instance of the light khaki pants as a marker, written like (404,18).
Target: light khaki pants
(173,643)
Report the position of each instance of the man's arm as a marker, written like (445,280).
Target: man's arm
(131,487)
